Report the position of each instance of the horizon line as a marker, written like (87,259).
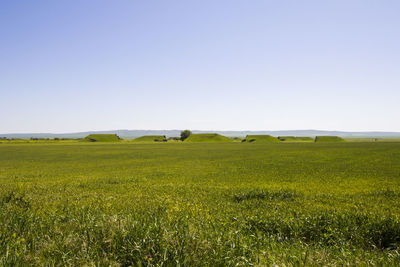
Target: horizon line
(77,132)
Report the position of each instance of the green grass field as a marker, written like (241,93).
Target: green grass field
(213,204)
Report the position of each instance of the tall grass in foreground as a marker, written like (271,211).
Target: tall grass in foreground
(200,204)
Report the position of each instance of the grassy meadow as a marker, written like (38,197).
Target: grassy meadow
(215,204)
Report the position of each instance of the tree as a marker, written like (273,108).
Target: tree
(185,134)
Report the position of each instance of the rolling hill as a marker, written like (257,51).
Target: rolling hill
(260,139)
(335,139)
(295,139)
(151,138)
(208,137)
(102,138)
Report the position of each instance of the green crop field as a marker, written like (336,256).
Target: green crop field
(211,204)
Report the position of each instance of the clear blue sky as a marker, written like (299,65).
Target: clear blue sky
(68,66)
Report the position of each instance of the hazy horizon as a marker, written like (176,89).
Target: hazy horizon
(71,66)
(125,133)
(208,130)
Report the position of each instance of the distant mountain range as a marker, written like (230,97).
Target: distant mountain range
(169,133)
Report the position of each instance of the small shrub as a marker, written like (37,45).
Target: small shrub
(185,134)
